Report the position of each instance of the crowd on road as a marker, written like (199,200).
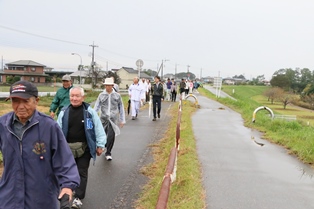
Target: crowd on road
(49,160)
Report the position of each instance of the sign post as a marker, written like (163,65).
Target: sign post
(217,85)
(139,64)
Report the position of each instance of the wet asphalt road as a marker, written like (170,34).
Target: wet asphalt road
(116,183)
(238,173)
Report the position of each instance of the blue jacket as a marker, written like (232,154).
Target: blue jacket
(36,166)
(94,131)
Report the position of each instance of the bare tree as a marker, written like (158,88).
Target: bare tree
(285,99)
(109,74)
(273,94)
(95,72)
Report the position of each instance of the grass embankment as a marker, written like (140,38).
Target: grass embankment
(294,135)
(187,191)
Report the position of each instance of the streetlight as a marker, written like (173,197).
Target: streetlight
(80,68)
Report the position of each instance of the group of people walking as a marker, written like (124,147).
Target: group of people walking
(45,159)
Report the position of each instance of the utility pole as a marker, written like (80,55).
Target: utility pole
(175,73)
(188,72)
(162,69)
(201,74)
(93,63)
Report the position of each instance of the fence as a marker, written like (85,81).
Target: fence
(170,174)
(286,117)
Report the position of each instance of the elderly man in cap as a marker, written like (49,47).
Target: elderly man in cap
(39,166)
(62,97)
(111,108)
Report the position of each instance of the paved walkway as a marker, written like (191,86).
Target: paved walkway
(117,183)
(240,174)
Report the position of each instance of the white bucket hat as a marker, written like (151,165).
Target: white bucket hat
(108,81)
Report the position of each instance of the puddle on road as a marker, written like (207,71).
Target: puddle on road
(306,172)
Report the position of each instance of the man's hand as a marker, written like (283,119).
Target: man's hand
(121,125)
(67,191)
(99,151)
(52,114)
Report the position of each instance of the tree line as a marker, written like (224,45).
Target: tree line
(292,86)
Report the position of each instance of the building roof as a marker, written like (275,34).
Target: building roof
(26,63)
(83,73)
(145,75)
(130,70)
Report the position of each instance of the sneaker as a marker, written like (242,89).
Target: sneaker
(108,157)
(154,119)
(133,118)
(158,115)
(77,203)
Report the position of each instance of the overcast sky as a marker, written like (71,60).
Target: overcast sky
(213,37)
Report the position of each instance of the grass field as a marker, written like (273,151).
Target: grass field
(255,93)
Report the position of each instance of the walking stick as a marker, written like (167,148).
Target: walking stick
(150,106)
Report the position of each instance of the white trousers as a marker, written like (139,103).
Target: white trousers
(168,94)
(135,107)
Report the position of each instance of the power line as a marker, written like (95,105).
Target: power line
(65,41)
(46,37)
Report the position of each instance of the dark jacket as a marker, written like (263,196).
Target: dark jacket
(36,166)
(157,90)
(61,99)
(94,131)
(182,85)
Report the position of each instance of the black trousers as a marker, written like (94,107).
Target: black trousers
(82,166)
(173,96)
(147,96)
(156,102)
(110,138)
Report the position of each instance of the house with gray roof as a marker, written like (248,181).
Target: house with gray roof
(127,75)
(27,70)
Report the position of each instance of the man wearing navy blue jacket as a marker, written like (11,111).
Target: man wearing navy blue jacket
(39,166)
